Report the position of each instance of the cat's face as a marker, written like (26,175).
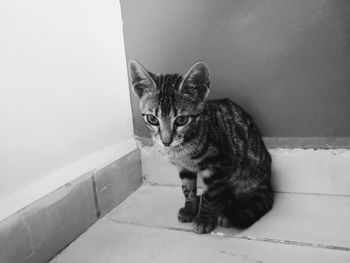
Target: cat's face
(170,104)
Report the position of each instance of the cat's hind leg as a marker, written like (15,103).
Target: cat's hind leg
(224,220)
(250,207)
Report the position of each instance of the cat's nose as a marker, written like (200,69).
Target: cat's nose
(166,143)
(166,139)
(166,133)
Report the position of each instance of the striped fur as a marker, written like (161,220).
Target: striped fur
(215,139)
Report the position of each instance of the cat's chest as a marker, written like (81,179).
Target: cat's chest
(182,158)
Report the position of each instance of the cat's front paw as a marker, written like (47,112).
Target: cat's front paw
(185,215)
(201,226)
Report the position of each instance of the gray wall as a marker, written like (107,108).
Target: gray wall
(286,62)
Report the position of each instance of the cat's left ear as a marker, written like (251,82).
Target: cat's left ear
(195,83)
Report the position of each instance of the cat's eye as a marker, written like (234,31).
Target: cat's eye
(181,120)
(151,119)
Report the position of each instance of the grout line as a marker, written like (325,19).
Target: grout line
(94,187)
(258,239)
(147,183)
(149,226)
(317,194)
(295,243)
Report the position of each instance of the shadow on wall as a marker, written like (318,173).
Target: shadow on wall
(287,63)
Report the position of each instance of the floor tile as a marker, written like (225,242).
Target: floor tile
(108,242)
(313,220)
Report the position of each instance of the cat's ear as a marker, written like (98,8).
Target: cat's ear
(195,83)
(141,79)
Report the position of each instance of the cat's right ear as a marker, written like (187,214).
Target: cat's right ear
(141,79)
(195,83)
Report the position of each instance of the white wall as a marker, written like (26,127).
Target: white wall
(64,101)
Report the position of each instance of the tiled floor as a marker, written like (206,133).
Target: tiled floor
(144,228)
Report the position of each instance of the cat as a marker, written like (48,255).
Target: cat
(215,139)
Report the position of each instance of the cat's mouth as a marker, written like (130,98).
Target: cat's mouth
(170,146)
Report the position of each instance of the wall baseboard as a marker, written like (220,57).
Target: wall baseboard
(18,199)
(40,231)
(308,142)
(293,170)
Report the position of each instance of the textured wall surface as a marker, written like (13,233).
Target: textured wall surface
(286,62)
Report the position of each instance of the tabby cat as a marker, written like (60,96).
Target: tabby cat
(215,139)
